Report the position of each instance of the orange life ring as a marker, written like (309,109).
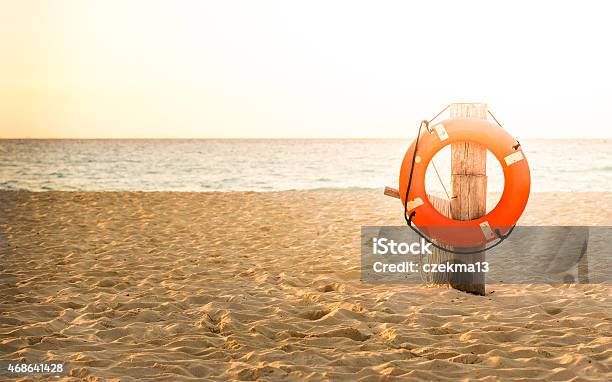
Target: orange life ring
(477,232)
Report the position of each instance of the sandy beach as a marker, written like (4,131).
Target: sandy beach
(247,286)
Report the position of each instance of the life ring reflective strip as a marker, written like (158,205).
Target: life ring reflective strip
(471,233)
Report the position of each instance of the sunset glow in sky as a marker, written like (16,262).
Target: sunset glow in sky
(276,69)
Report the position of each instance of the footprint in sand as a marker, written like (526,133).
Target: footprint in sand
(552,310)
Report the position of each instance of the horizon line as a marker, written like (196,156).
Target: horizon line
(265,138)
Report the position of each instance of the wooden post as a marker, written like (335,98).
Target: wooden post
(469,192)
(439,256)
(468,200)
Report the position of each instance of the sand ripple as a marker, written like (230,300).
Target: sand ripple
(248,286)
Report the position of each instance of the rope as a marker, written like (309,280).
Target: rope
(416,146)
(496,121)
(437,115)
(440,179)
(453,251)
(432,161)
(408,218)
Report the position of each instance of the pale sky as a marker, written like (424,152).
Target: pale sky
(276,69)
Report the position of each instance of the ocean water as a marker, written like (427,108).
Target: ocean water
(272,165)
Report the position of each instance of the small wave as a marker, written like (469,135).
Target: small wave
(333,189)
